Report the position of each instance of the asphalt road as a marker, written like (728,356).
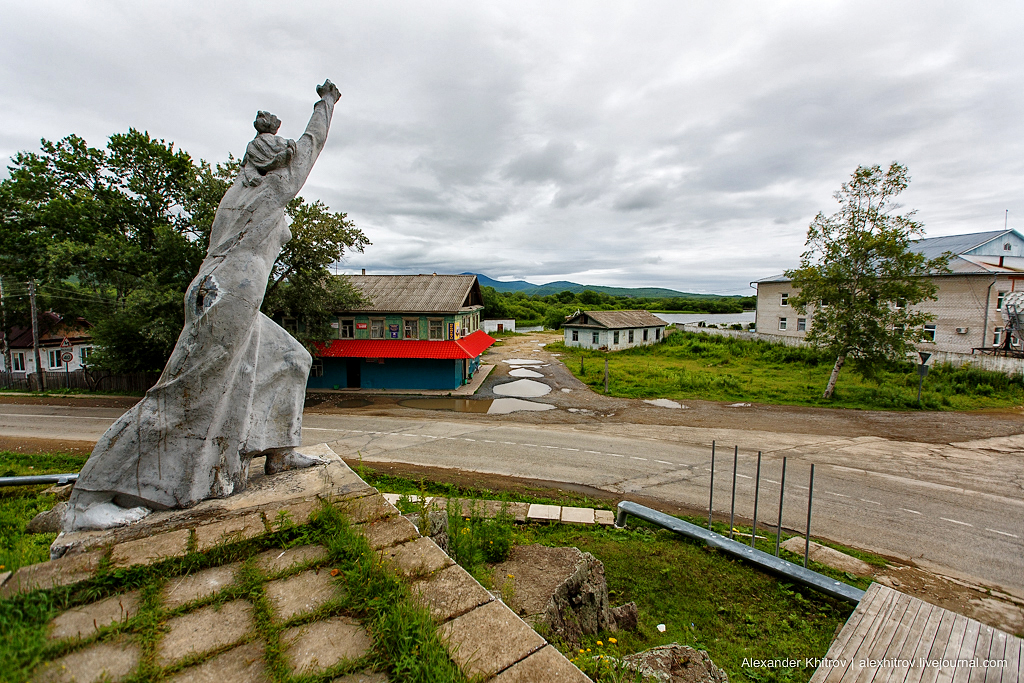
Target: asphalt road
(957,509)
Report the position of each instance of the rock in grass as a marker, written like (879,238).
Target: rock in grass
(675,663)
(48,522)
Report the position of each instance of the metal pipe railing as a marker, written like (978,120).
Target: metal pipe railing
(59,479)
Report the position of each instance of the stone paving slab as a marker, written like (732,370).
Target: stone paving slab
(60,572)
(184,589)
(417,558)
(485,508)
(99,662)
(572,515)
(277,560)
(489,639)
(304,592)
(546,665)
(385,533)
(367,508)
(148,551)
(230,531)
(314,647)
(363,677)
(604,517)
(243,663)
(544,513)
(204,630)
(82,622)
(451,592)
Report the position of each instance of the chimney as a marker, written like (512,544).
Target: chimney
(364,271)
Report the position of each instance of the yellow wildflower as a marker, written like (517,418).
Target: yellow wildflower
(612,641)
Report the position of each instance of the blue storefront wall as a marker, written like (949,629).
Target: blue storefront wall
(392,373)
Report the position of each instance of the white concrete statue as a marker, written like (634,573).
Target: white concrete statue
(235,383)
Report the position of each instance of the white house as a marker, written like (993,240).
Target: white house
(500,325)
(612,330)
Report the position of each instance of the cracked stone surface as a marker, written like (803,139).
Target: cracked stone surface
(490,638)
(82,622)
(99,662)
(277,560)
(203,630)
(417,558)
(322,644)
(243,663)
(451,592)
(302,593)
(184,589)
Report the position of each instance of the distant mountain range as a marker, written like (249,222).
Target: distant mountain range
(562,285)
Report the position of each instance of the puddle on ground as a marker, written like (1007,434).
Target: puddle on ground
(523,372)
(523,361)
(497,406)
(664,403)
(352,403)
(566,391)
(738,405)
(526,388)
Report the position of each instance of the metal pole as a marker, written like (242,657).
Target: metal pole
(757,492)
(782,493)
(606,375)
(40,380)
(711,495)
(807,536)
(732,509)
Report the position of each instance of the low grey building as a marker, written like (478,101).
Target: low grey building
(613,330)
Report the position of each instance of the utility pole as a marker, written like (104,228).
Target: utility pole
(35,335)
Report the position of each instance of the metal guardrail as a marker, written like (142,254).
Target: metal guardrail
(807,577)
(59,479)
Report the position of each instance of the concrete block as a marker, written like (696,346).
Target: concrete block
(451,592)
(82,622)
(230,531)
(276,561)
(183,589)
(392,497)
(203,630)
(150,550)
(604,517)
(577,515)
(484,508)
(99,662)
(363,677)
(418,558)
(489,639)
(385,533)
(314,647)
(367,508)
(829,556)
(243,663)
(544,513)
(301,593)
(63,571)
(546,665)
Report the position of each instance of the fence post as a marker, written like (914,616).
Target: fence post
(782,493)
(732,509)
(711,495)
(606,375)
(757,493)
(807,536)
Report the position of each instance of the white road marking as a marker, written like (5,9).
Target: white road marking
(865,500)
(465,439)
(744,476)
(833,493)
(593,452)
(664,462)
(1002,533)
(955,521)
(913,512)
(771,481)
(614,455)
(489,441)
(633,457)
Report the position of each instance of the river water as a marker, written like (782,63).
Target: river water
(709,318)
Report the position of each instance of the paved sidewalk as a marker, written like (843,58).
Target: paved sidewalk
(523,512)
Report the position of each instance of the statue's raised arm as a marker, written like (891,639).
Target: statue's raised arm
(312,141)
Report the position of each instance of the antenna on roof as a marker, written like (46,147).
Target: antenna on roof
(1006,219)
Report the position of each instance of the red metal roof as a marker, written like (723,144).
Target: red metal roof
(467,347)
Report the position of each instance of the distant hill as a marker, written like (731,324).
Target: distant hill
(561,285)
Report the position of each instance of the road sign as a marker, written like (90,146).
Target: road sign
(924,356)
(67,357)
(65,344)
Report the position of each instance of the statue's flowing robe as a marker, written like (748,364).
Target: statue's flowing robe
(235,382)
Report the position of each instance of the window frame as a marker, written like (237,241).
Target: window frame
(929,331)
(1000,298)
(351,323)
(801,324)
(435,324)
(631,336)
(615,337)
(54,355)
(575,335)
(381,324)
(18,358)
(783,324)
(596,337)
(784,299)
(410,328)
(645,334)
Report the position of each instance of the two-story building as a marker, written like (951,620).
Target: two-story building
(412,332)
(984,267)
(612,330)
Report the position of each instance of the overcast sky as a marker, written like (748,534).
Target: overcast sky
(673,144)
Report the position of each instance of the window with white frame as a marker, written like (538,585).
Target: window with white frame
(801,324)
(782,323)
(377,328)
(901,302)
(55,361)
(999,300)
(436,328)
(997,337)
(575,335)
(18,361)
(412,328)
(597,338)
(929,333)
(83,354)
(317,368)
(784,299)
(348,328)
(615,337)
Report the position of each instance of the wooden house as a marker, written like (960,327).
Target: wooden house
(613,330)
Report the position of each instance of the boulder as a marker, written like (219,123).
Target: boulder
(561,591)
(675,663)
(437,527)
(48,522)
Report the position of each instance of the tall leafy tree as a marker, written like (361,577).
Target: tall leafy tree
(860,279)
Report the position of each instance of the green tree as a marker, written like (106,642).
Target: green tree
(859,277)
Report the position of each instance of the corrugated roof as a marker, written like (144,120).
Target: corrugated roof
(933,247)
(416,293)
(616,319)
(467,347)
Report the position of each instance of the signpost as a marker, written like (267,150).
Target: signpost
(922,370)
(66,357)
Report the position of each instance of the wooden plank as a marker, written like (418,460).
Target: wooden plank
(961,674)
(906,608)
(877,599)
(907,636)
(985,636)
(956,641)
(1014,652)
(925,644)
(996,652)
(892,612)
(939,644)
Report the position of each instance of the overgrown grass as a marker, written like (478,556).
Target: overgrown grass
(688,365)
(706,599)
(19,504)
(405,641)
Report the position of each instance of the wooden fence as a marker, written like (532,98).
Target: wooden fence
(82,380)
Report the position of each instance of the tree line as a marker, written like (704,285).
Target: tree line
(113,236)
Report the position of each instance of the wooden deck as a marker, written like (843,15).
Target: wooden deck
(892,637)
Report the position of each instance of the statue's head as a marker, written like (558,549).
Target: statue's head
(266,122)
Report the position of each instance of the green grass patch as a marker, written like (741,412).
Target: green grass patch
(688,365)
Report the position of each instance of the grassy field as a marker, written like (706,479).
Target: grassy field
(697,366)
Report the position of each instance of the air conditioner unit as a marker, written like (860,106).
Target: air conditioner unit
(962,330)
